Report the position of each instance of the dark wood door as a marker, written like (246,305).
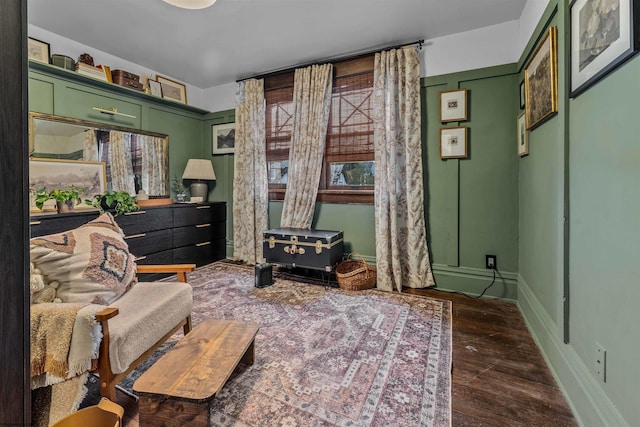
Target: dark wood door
(15,397)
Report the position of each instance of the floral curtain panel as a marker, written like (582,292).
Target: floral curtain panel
(250,185)
(402,256)
(155,165)
(90,146)
(312,100)
(120,161)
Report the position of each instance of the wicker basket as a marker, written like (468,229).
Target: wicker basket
(354,275)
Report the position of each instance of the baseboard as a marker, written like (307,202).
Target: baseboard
(588,401)
(473,281)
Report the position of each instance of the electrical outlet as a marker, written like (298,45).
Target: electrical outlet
(491,262)
(600,363)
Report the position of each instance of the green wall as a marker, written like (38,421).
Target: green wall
(577,283)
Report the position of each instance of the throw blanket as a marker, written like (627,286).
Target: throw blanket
(64,340)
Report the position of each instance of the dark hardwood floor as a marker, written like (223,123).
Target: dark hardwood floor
(499,377)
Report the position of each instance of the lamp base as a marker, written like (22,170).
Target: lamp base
(200,189)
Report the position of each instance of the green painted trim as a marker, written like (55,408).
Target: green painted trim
(221,117)
(566,283)
(543,23)
(453,210)
(588,401)
(481,73)
(473,281)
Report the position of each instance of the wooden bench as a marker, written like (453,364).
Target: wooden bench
(177,389)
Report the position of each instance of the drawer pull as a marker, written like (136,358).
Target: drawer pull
(202,244)
(136,213)
(35,222)
(203,207)
(203,225)
(112,111)
(134,236)
(140,258)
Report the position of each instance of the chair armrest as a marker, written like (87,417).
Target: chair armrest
(106,314)
(180,269)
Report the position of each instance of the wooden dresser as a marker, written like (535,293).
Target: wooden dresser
(171,234)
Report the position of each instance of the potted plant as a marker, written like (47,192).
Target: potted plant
(179,188)
(65,198)
(120,202)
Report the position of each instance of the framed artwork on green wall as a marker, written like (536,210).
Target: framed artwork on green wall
(602,38)
(523,136)
(223,138)
(541,81)
(453,105)
(453,142)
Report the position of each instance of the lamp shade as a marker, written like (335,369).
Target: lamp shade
(191,4)
(200,169)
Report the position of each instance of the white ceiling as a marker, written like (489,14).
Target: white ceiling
(239,38)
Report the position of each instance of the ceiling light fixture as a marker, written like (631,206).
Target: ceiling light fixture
(191,4)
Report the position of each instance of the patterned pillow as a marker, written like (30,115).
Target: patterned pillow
(91,263)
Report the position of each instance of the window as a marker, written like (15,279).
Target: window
(349,171)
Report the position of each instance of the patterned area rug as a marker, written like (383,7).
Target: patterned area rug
(326,357)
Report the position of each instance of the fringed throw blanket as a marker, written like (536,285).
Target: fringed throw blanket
(64,340)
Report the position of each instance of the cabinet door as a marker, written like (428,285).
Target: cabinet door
(79,101)
(58,223)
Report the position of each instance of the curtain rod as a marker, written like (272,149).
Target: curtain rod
(331,60)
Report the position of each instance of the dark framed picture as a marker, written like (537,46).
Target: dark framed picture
(172,89)
(522,103)
(541,81)
(453,105)
(602,38)
(453,142)
(223,138)
(38,50)
(523,136)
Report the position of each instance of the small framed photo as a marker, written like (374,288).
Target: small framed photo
(223,138)
(453,142)
(541,81)
(38,50)
(522,95)
(523,136)
(172,90)
(155,88)
(453,105)
(602,37)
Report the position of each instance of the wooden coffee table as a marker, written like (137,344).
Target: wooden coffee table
(177,389)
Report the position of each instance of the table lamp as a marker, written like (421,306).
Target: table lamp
(199,170)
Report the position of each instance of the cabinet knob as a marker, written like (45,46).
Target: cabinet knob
(203,225)
(133,236)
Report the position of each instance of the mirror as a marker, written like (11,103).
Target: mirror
(133,159)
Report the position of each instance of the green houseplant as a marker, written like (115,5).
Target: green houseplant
(65,198)
(120,202)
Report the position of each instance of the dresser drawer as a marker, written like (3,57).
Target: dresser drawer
(145,220)
(158,258)
(191,234)
(146,243)
(198,214)
(200,254)
(58,223)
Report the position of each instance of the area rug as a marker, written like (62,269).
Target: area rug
(327,357)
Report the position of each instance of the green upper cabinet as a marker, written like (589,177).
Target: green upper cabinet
(40,94)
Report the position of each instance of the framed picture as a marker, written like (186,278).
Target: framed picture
(541,81)
(602,38)
(224,138)
(172,89)
(155,88)
(453,142)
(523,136)
(38,50)
(522,103)
(57,174)
(453,105)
